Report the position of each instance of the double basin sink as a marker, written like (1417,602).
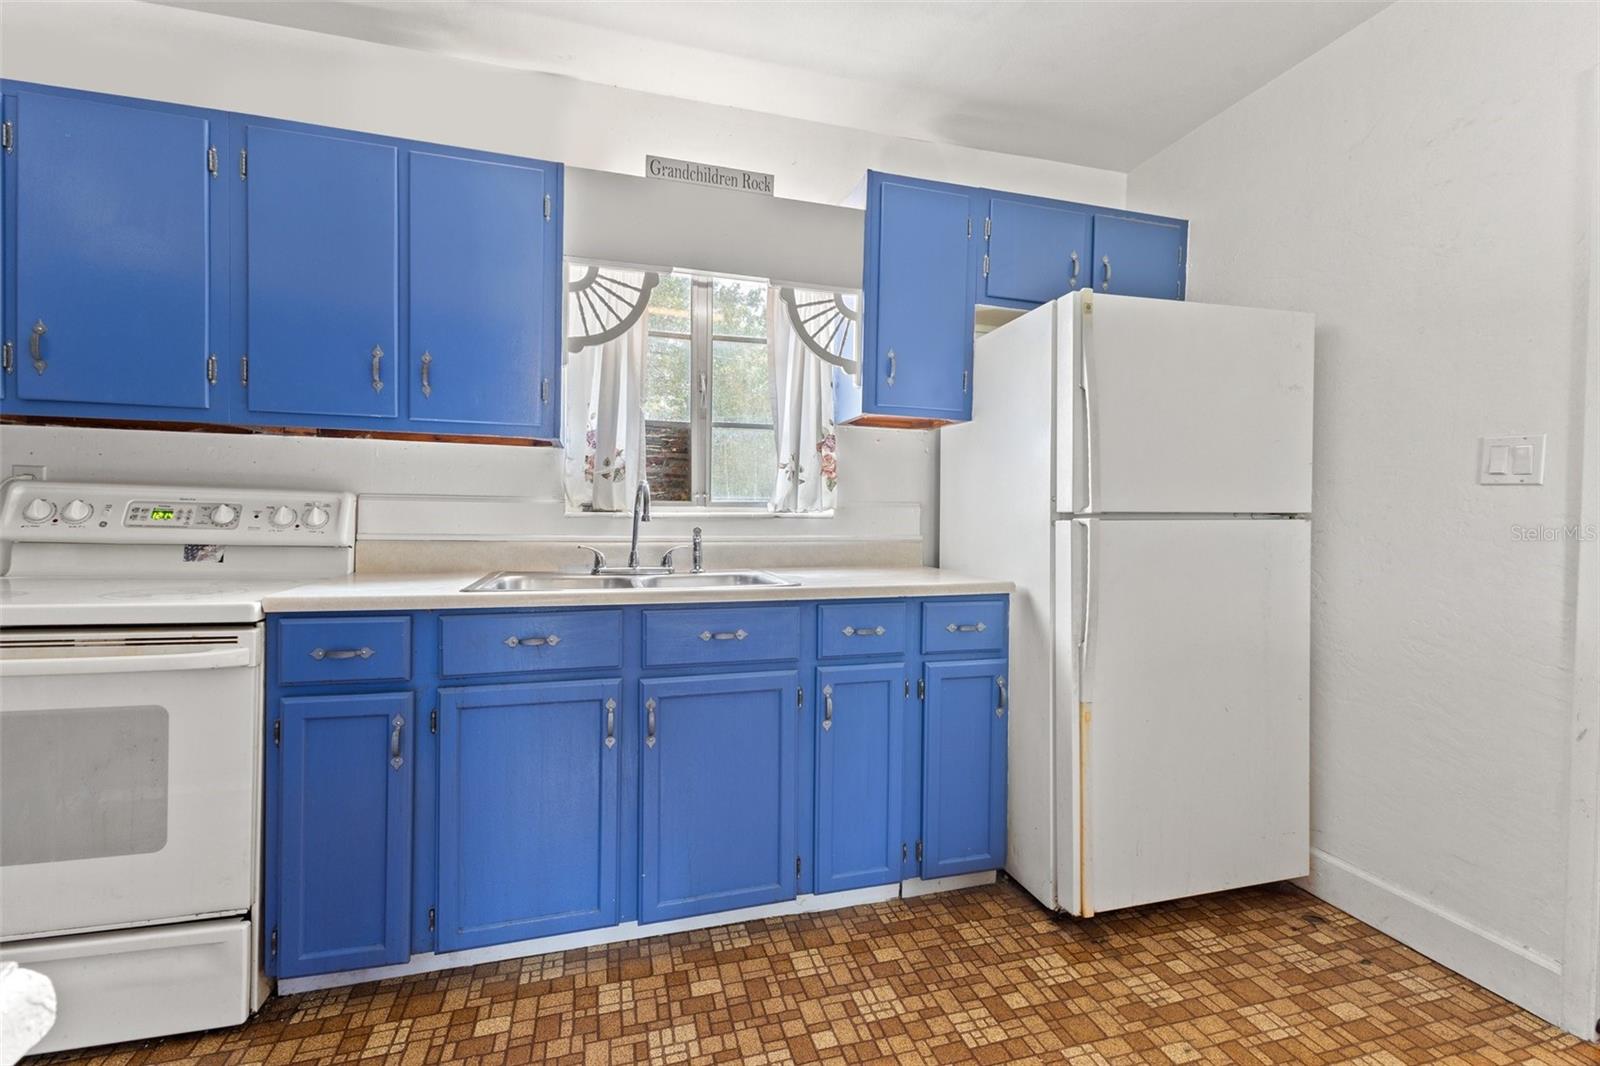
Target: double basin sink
(527,581)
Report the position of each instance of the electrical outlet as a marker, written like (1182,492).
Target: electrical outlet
(20,470)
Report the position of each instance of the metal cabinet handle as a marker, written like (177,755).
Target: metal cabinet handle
(1105,263)
(1072,282)
(341,653)
(377,368)
(827,707)
(852,631)
(34,337)
(544,391)
(650,722)
(892,364)
(737,634)
(427,362)
(1000,708)
(396,760)
(611,723)
(533,642)
(976,627)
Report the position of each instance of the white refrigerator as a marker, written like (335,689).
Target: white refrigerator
(1141,470)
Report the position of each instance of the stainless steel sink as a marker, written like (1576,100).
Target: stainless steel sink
(711,580)
(550,581)
(513,581)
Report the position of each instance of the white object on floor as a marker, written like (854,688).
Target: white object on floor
(27,1010)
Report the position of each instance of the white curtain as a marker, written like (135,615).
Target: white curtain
(802,419)
(603,420)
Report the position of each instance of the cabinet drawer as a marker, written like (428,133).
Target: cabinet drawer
(321,650)
(721,635)
(964,626)
(530,641)
(846,629)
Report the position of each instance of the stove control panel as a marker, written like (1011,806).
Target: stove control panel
(133,514)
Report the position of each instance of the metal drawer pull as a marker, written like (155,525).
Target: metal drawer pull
(1073,281)
(650,722)
(427,363)
(611,723)
(396,760)
(1000,708)
(737,634)
(33,346)
(890,379)
(320,654)
(827,707)
(377,369)
(852,631)
(977,627)
(533,642)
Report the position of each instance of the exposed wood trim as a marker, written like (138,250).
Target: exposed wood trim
(897,422)
(270,431)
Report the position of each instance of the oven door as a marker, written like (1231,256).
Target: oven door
(128,776)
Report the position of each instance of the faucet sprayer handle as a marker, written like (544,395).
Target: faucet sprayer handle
(699,552)
(599,558)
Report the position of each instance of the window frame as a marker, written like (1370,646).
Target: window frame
(702,388)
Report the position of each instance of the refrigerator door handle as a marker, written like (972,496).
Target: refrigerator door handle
(1088,412)
(1088,605)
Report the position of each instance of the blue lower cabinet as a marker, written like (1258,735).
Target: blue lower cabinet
(343,833)
(528,824)
(859,763)
(964,767)
(717,775)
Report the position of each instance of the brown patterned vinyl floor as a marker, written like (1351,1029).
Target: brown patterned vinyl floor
(1259,976)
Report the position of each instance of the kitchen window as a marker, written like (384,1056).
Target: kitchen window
(707,392)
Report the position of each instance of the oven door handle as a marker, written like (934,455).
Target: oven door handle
(159,662)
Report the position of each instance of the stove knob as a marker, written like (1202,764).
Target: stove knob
(38,509)
(281,516)
(76,511)
(315,517)
(223,513)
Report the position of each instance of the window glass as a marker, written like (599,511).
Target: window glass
(743,464)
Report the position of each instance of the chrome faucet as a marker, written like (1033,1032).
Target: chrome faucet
(641,513)
(699,552)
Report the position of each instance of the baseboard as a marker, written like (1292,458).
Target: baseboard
(916,886)
(615,934)
(1518,973)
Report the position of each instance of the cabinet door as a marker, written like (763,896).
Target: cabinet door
(964,768)
(527,810)
(114,255)
(1139,256)
(920,288)
(1038,251)
(717,820)
(858,775)
(322,285)
(343,835)
(485,281)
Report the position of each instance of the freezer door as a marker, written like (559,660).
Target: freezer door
(1194,724)
(1187,408)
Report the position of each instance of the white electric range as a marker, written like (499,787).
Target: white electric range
(131,683)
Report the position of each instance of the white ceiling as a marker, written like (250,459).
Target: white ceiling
(1103,84)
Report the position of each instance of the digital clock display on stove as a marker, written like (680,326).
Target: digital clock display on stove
(162,514)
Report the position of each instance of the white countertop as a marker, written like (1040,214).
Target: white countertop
(105,601)
(422,592)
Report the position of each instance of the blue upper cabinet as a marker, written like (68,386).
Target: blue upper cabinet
(339,827)
(919,281)
(528,839)
(1139,255)
(1037,250)
(717,810)
(485,322)
(117,251)
(322,274)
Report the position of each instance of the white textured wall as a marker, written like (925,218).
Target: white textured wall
(1424,185)
(194,58)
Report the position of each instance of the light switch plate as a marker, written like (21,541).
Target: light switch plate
(1515,460)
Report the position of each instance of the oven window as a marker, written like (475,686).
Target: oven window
(82,784)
